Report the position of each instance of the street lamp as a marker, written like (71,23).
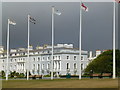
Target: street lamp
(53,13)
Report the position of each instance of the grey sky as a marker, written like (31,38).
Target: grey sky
(96,24)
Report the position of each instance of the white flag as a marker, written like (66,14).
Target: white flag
(57,12)
(11,22)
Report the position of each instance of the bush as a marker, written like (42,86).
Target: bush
(2,73)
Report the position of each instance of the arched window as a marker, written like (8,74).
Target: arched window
(82,67)
(38,58)
(42,66)
(38,66)
(67,65)
(75,66)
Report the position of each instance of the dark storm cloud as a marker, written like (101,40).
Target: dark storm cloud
(96,24)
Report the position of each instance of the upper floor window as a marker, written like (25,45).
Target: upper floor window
(34,59)
(38,58)
(43,58)
(59,57)
(75,57)
(68,57)
(15,60)
(48,58)
(81,57)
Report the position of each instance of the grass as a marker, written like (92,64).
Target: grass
(61,83)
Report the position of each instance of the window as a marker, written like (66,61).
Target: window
(48,51)
(42,58)
(59,57)
(34,66)
(23,53)
(34,59)
(11,60)
(67,57)
(75,57)
(48,66)
(59,65)
(67,65)
(82,67)
(42,66)
(15,60)
(38,67)
(48,58)
(81,57)
(38,59)
(15,67)
(75,66)
(3,67)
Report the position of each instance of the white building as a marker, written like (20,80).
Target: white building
(93,56)
(65,60)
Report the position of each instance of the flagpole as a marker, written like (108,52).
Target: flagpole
(28,47)
(52,42)
(80,41)
(114,71)
(7,50)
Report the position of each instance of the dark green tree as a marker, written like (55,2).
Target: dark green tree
(104,63)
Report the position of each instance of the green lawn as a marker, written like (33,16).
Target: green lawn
(61,83)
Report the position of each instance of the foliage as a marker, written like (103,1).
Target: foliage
(104,63)
(2,73)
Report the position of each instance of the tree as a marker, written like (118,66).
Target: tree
(104,63)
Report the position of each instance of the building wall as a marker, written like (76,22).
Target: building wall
(40,64)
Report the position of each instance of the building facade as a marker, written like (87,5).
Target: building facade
(65,60)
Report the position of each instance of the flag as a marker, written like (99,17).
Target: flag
(117,1)
(84,7)
(32,20)
(57,12)
(11,22)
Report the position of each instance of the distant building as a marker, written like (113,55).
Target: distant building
(1,49)
(97,53)
(65,60)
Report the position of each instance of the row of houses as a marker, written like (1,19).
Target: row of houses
(65,60)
